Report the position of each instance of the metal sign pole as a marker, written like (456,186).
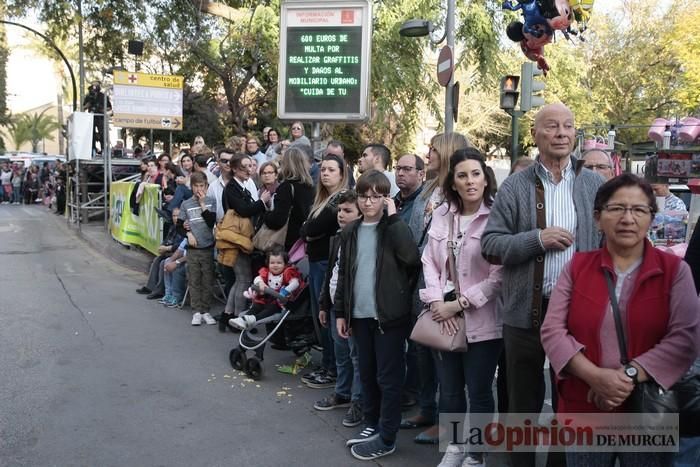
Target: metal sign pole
(106,158)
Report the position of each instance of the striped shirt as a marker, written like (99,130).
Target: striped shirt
(560,212)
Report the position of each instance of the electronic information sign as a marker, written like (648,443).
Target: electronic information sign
(325,51)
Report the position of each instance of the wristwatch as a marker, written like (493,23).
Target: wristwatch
(632,373)
(177,261)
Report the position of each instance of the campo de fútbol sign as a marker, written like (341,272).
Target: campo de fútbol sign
(325,52)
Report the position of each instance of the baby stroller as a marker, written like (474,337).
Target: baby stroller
(291,323)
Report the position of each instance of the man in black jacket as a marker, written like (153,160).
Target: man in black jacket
(377,273)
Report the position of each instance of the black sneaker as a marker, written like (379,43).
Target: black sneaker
(311,375)
(143,291)
(334,401)
(324,381)
(372,449)
(368,433)
(354,416)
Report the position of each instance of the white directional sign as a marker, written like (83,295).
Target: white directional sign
(147,101)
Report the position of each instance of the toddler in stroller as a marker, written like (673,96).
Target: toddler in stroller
(280,277)
(280,305)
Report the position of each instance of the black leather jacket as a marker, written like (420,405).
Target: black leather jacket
(398,264)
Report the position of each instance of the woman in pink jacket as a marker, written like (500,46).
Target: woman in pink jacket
(469,191)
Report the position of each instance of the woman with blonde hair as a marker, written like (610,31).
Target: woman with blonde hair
(318,229)
(442,146)
(294,195)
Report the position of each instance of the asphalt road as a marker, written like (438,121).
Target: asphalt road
(92,374)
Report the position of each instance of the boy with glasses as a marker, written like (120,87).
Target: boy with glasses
(377,272)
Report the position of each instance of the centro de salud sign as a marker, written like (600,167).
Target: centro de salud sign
(142,100)
(325,51)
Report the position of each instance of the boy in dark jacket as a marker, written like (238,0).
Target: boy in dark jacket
(377,272)
(348,392)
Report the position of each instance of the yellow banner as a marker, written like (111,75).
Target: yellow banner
(148,80)
(141,226)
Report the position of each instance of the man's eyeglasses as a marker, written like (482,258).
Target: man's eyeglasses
(225,160)
(597,166)
(618,210)
(372,198)
(404,168)
(296,128)
(268,172)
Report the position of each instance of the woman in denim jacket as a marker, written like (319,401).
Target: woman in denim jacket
(469,190)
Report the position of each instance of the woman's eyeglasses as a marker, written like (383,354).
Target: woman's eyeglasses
(618,210)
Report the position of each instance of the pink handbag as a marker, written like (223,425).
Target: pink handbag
(426,331)
(298,251)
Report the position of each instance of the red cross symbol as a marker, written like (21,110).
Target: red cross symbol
(133,78)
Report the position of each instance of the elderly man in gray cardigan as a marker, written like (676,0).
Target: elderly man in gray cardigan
(540,217)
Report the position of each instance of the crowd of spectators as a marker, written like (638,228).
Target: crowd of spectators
(431,236)
(34,184)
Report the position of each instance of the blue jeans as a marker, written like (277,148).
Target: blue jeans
(181,194)
(317,272)
(427,375)
(16,194)
(688,453)
(348,382)
(474,368)
(176,281)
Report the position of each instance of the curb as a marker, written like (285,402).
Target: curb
(103,243)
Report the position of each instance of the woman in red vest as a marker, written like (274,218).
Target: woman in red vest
(658,306)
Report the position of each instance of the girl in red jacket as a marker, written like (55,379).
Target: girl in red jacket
(279,276)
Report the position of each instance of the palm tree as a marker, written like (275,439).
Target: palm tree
(26,128)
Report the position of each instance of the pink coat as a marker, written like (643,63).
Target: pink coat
(479,281)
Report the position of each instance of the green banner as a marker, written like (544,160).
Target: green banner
(145,228)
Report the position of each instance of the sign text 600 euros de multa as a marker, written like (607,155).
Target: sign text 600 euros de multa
(324,69)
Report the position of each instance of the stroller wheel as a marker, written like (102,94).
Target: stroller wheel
(254,368)
(237,359)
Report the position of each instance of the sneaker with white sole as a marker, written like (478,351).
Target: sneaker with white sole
(196,319)
(209,319)
(333,401)
(454,455)
(368,433)
(165,300)
(372,449)
(306,377)
(474,460)
(243,322)
(354,415)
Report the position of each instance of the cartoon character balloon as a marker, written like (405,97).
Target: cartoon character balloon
(541,18)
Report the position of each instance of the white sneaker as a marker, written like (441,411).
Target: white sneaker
(473,461)
(196,319)
(243,322)
(208,318)
(454,455)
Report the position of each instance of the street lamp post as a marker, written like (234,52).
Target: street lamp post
(421,27)
(449,89)
(58,51)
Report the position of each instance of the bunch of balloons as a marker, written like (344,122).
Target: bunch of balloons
(541,18)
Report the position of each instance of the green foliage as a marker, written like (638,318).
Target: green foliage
(32,128)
